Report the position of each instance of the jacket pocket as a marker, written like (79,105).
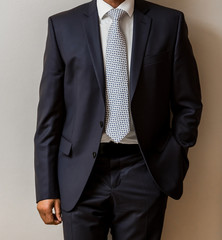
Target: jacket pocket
(65,146)
(162,142)
(153,59)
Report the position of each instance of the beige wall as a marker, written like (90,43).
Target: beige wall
(23,24)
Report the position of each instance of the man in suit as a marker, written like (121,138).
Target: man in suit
(108,153)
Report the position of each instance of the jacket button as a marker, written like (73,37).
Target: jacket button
(94,154)
(101,124)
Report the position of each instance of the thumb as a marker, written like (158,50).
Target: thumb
(57,209)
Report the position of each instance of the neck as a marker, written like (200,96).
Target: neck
(114,3)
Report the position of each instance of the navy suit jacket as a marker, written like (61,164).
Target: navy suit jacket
(71,110)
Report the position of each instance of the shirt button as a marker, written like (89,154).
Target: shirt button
(94,154)
(101,124)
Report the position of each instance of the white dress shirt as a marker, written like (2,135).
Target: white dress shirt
(126,24)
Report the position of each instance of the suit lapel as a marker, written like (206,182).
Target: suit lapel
(142,24)
(91,25)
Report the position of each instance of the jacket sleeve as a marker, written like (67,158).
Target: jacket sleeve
(185,96)
(50,119)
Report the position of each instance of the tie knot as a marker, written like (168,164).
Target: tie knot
(116,13)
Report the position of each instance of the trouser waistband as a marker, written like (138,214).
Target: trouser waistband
(118,149)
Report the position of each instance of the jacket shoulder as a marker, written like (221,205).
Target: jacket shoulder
(159,11)
(74,12)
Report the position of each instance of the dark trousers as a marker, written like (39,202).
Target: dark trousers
(120,195)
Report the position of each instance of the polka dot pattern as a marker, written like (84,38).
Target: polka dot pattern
(117,99)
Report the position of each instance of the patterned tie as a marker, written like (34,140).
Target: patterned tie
(117,100)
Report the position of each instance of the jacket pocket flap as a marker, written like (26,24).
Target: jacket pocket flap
(65,146)
(163,142)
(153,59)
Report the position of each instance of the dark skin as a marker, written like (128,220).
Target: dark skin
(46,207)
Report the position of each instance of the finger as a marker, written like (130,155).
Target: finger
(58,210)
(56,221)
(47,217)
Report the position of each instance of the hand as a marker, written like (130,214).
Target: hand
(45,208)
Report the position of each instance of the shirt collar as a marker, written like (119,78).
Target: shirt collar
(103,7)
